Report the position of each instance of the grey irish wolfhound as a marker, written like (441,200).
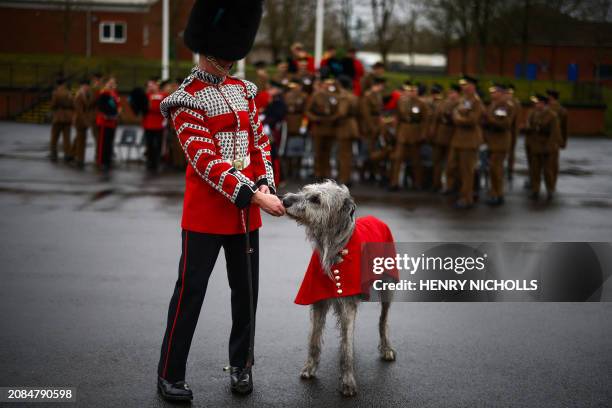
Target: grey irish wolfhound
(327,211)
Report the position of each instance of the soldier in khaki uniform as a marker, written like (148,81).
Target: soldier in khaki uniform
(62,108)
(295,100)
(542,136)
(433,100)
(369,79)
(553,103)
(497,126)
(370,114)
(443,129)
(514,131)
(348,129)
(412,125)
(322,112)
(282,73)
(465,142)
(84,115)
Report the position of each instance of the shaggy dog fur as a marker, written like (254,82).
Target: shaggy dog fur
(327,211)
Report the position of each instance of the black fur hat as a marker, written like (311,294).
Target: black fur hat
(138,101)
(223,29)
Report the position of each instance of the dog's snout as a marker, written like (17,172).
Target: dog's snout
(287,201)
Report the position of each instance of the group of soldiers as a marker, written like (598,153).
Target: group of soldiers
(373,131)
(96,105)
(465,137)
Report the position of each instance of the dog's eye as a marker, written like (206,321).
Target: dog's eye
(314,199)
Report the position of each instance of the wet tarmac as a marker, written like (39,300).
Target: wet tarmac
(87,269)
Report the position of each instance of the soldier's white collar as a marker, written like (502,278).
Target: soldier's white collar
(206,76)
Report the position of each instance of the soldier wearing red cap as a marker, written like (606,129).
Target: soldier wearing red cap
(229,177)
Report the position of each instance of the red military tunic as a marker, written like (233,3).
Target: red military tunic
(347,278)
(108,121)
(217,123)
(153,119)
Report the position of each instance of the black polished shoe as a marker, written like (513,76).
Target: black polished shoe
(241,380)
(178,391)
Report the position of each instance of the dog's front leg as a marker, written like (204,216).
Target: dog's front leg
(347,312)
(386,351)
(318,312)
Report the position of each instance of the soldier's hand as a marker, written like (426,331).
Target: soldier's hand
(269,203)
(264,189)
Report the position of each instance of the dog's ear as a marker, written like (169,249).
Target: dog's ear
(349,207)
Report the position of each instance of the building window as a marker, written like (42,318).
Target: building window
(113,32)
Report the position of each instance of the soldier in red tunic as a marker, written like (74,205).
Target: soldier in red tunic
(229,177)
(153,124)
(107,117)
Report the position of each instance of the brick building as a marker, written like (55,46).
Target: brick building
(105,28)
(558,47)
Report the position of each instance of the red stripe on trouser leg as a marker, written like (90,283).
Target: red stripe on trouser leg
(178,307)
(100,144)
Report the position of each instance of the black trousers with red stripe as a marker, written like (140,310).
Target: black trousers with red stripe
(106,142)
(153,140)
(198,258)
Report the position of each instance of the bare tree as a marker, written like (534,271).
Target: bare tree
(385,31)
(287,21)
(600,13)
(345,12)
(454,20)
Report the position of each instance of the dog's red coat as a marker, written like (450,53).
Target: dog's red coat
(347,277)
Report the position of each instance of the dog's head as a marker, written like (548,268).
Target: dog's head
(320,206)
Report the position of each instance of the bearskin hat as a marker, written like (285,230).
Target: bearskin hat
(223,29)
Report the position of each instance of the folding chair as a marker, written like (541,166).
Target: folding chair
(128,140)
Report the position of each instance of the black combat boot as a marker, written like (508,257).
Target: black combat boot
(241,380)
(178,391)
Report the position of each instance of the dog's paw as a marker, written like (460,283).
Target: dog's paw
(348,387)
(387,354)
(308,372)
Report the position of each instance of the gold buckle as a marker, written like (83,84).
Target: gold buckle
(238,164)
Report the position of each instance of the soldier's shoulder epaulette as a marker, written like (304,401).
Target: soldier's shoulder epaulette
(251,88)
(180,98)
